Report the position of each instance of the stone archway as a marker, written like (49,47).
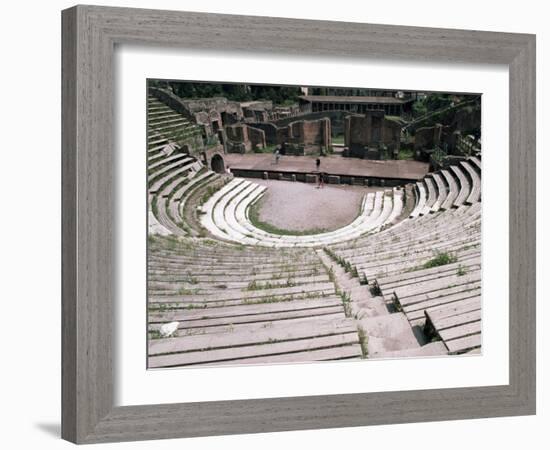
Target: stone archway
(217,163)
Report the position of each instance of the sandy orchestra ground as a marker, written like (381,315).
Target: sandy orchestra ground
(301,206)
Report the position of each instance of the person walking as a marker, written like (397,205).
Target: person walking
(321,177)
(277,156)
(317,164)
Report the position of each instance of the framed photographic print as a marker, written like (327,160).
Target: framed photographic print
(287,232)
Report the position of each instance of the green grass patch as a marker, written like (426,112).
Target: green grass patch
(440,259)
(266,149)
(406,154)
(338,139)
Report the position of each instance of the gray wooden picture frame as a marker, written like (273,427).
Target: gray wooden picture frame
(90,34)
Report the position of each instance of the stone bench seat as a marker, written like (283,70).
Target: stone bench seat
(451,298)
(245,314)
(153,158)
(356,228)
(431,197)
(179,197)
(155,227)
(370,208)
(254,334)
(153,119)
(409,234)
(452,190)
(178,169)
(240,326)
(223,272)
(166,160)
(242,218)
(165,219)
(420,199)
(207,287)
(158,122)
(154,141)
(169,189)
(303,346)
(412,294)
(476,162)
(464,239)
(239,296)
(245,254)
(441,191)
(459,327)
(262,261)
(171,130)
(200,277)
(229,219)
(167,122)
(473,262)
(475,192)
(396,264)
(464,189)
(226,218)
(422,227)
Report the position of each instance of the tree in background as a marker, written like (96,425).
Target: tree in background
(279,95)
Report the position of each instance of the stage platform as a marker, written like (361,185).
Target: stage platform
(344,170)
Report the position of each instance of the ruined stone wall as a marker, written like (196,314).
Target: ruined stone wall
(370,135)
(270,131)
(256,137)
(240,138)
(313,135)
(336,119)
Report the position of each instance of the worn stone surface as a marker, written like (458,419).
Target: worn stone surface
(394,169)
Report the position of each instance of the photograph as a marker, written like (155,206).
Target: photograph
(293,224)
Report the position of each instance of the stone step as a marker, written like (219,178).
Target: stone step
(302,350)
(165,160)
(255,334)
(407,278)
(180,169)
(242,310)
(211,325)
(409,294)
(314,289)
(242,285)
(455,301)
(388,333)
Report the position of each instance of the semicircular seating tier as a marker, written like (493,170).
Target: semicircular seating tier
(172,174)
(226,216)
